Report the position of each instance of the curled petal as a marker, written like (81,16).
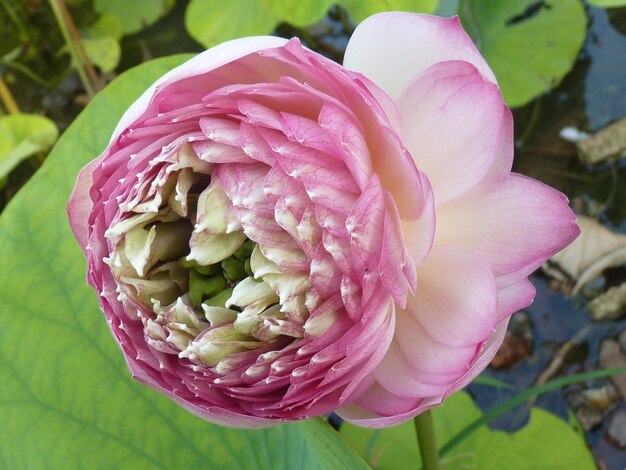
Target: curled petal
(380,46)
(515,223)
(452,99)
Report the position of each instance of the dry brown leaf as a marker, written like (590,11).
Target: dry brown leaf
(596,249)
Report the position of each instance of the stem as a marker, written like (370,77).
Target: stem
(27,73)
(7,98)
(534,118)
(16,21)
(426,440)
(85,70)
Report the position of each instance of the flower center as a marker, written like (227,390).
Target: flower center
(184,266)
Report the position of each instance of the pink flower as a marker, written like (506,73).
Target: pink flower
(274,236)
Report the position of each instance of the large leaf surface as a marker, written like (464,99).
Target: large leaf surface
(300,13)
(134,15)
(211,22)
(361,9)
(66,399)
(529,45)
(21,136)
(546,442)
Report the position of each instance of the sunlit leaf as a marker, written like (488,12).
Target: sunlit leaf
(21,136)
(67,400)
(546,442)
(300,13)
(107,25)
(211,22)
(135,15)
(521,398)
(104,52)
(361,9)
(529,45)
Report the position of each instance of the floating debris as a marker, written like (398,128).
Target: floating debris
(609,143)
(612,357)
(596,249)
(609,306)
(617,429)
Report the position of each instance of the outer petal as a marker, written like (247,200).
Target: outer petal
(369,411)
(514,297)
(377,395)
(392,48)
(210,59)
(514,222)
(456,301)
(80,205)
(451,123)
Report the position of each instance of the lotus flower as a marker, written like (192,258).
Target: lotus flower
(274,236)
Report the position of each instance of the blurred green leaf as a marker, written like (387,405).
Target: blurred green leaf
(107,25)
(361,9)
(211,22)
(546,442)
(447,8)
(67,400)
(529,45)
(301,13)
(104,52)
(135,15)
(22,136)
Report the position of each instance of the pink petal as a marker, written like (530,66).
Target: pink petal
(377,407)
(516,223)
(205,62)
(80,204)
(488,351)
(392,48)
(451,124)
(349,140)
(430,375)
(395,167)
(254,145)
(377,398)
(514,297)
(394,258)
(419,233)
(224,131)
(503,162)
(365,224)
(456,300)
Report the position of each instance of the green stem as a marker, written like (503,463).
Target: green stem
(534,119)
(426,440)
(16,21)
(6,98)
(73,47)
(27,73)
